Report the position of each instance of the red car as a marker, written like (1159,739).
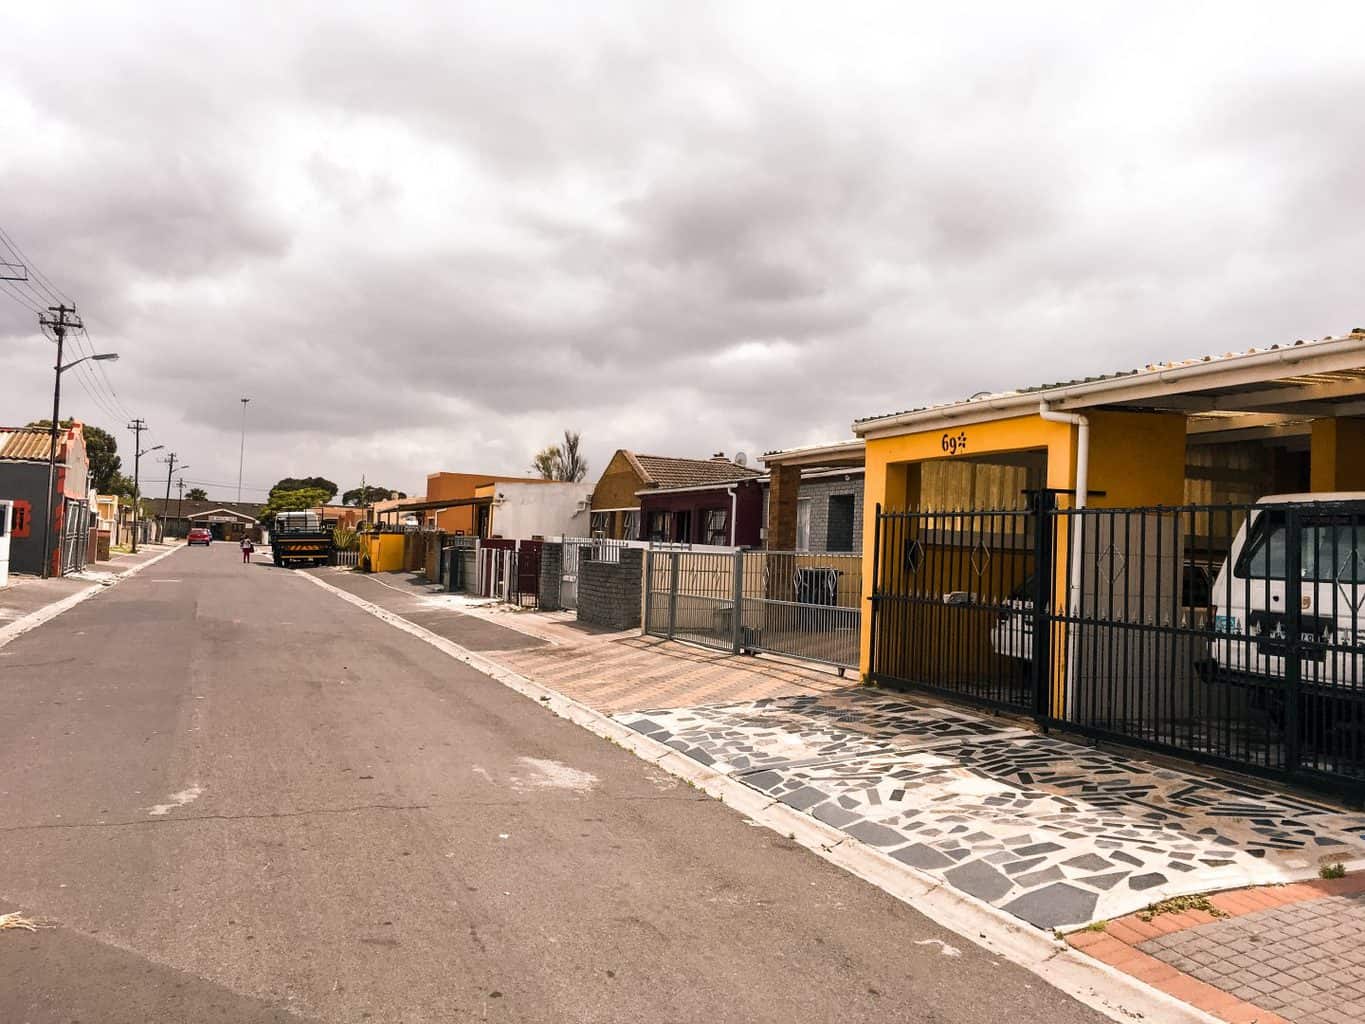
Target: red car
(200,535)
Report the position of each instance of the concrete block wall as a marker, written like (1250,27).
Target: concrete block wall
(609,593)
(819,491)
(551,576)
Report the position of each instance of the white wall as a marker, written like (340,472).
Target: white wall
(522,511)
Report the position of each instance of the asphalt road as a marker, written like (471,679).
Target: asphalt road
(236,797)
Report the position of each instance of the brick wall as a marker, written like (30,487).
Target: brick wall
(609,592)
(819,491)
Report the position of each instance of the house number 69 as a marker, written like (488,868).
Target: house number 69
(954,443)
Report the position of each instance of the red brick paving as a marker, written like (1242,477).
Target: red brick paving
(1117,945)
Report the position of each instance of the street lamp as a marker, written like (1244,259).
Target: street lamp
(59,325)
(241,453)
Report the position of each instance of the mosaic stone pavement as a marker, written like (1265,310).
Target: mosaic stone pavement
(1055,833)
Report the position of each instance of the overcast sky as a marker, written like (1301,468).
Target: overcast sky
(430,236)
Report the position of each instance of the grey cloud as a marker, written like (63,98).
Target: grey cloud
(680,234)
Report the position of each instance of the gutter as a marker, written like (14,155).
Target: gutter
(1286,356)
(1073,590)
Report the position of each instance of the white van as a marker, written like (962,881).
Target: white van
(1249,595)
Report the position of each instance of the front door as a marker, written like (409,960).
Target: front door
(682,526)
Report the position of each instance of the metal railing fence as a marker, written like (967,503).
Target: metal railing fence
(1224,633)
(792,603)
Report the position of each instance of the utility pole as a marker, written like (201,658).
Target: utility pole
(166,505)
(56,318)
(241,454)
(180,497)
(137,427)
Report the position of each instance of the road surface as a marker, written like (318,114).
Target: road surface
(236,797)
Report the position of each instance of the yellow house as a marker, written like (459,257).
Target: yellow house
(1217,429)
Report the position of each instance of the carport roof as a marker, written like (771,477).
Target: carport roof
(1261,387)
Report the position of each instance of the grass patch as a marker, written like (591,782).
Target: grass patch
(1330,871)
(1097,926)
(1179,904)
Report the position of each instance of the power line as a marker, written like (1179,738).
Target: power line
(19,254)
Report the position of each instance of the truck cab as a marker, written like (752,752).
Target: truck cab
(1252,621)
(301,537)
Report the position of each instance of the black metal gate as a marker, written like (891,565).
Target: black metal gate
(1230,634)
(959,603)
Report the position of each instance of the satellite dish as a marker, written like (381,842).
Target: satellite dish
(741,459)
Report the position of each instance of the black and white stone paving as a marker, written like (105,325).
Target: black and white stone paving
(1055,833)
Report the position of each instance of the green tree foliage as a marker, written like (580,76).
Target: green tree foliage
(298,500)
(561,461)
(102,451)
(196,494)
(369,494)
(295,483)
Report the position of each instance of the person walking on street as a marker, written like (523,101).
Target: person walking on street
(247,548)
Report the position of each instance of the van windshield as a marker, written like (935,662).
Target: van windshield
(1329,549)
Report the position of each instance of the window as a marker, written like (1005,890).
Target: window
(1329,549)
(802,524)
(601,524)
(717,526)
(630,524)
(661,526)
(839,532)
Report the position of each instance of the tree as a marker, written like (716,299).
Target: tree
(298,500)
(561,461)
(102,451)
(294,483)
(369,494)
(197,494)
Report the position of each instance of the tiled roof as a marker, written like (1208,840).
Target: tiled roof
(988,397)
(21,444)
(664,471)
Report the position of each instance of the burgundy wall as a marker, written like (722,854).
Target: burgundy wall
(748,524)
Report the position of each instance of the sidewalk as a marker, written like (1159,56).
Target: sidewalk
(1269,955)
(28,594)
(1057,834)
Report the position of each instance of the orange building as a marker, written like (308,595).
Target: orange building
(457,486)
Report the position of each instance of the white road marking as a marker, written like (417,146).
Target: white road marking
(944,948)
(177,800)
(546,774)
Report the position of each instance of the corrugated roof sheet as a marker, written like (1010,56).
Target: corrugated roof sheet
(189,507)
(1097,378)
(666,471)
(21,444)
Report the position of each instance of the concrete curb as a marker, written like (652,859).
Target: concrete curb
(34,619)
(1098,986)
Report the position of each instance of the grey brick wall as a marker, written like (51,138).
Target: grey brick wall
(551,576)
(609,592)
(819,492)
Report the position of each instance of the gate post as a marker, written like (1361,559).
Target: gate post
(874,606)
(737,602)
(1293,628)
(1044,573)
(674,568)
(648,584)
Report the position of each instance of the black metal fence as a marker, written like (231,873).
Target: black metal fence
(1227,633)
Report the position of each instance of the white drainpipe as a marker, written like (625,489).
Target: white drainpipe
(734,507)
(1082,425)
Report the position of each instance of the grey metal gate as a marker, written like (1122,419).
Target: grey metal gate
(75,535)
(792,603)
